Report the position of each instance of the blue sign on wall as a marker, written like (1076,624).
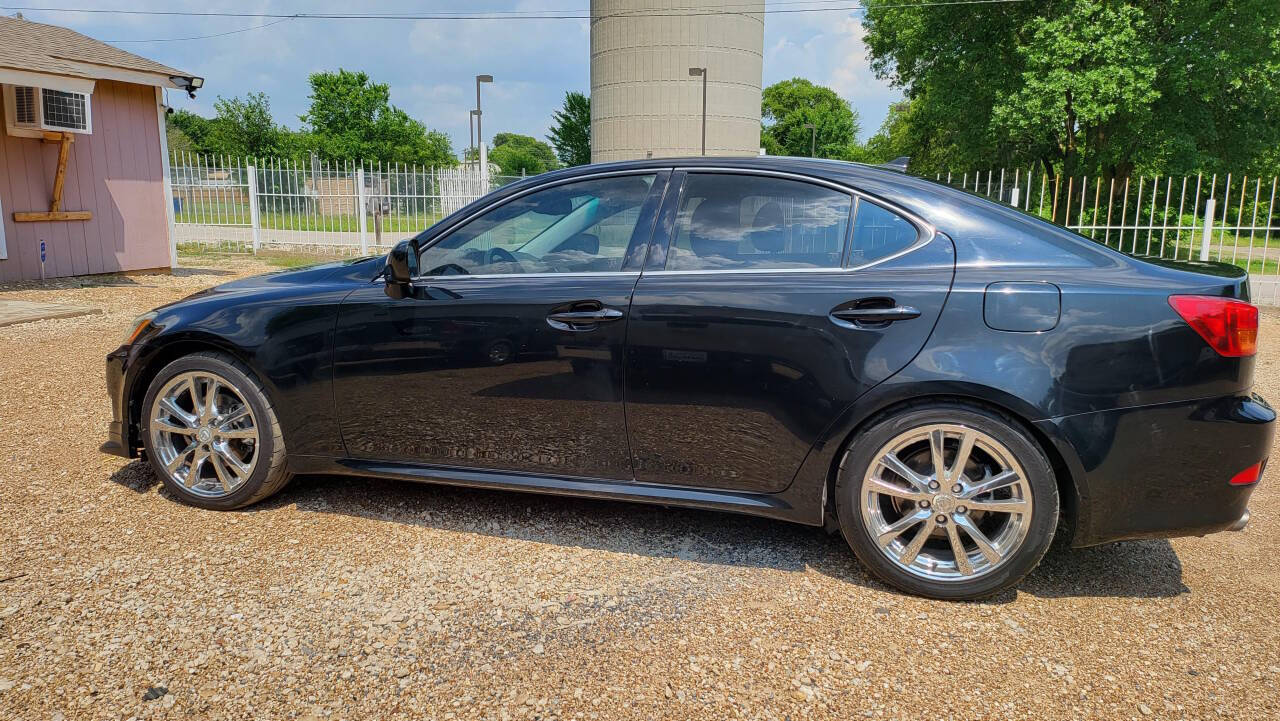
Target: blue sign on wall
(42,251)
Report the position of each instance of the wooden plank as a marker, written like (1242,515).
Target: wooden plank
(60,176)
(51,216)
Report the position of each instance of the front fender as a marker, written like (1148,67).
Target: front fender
(284,335)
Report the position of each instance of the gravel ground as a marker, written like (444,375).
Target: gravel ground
(352,599)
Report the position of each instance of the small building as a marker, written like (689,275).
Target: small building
(83,156)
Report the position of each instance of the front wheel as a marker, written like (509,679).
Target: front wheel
(948,501)
(211,433)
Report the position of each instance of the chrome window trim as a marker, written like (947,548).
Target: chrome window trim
(925,229)
(654,171)
(431,279)
(751,271)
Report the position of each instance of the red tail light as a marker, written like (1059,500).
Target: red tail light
(1247,476)
(1228,325)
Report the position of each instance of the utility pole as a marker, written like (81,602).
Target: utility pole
(695,72)
(813,139)
(484,157)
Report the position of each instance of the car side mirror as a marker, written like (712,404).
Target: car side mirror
(402,266)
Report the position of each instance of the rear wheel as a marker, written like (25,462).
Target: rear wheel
(499,352)
(948,501)
(211,434)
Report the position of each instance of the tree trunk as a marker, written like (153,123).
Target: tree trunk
(1070,154)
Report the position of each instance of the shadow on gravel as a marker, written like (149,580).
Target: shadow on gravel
(1132,569)
(1137,569)
(137,477)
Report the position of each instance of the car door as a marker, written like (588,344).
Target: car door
(769,304)
(506,354)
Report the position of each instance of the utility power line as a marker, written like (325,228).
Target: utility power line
(500,15)
(204,37)
(509,14)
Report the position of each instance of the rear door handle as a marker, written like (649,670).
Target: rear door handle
(876,315)
(580,320)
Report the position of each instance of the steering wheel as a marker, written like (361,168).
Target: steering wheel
(499,255)
(450,269)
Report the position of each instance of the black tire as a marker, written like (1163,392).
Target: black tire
(271,472)
(1008,572)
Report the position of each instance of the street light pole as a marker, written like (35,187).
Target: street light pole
(695,72)
(471,129)
(813,139)
(484,156)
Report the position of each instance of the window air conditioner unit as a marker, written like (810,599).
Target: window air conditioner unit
(40,109)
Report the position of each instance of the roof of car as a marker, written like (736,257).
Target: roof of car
(910,192)
(812,166)
(1002,231)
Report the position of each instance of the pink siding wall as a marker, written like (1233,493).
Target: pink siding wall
(116,173)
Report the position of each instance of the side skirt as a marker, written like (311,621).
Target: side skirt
(778,506)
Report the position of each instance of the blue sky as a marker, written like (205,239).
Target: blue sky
(430,64)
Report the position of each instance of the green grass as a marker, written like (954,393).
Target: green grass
(193,254)
(238,214)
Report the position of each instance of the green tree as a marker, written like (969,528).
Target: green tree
(177,141)
(892,140)
(244,128)
(787,106)
(1104,87)
(187,130)
(352,118)
(571,133)
(516,160)
(521,153)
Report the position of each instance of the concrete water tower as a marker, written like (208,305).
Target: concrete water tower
(644,100)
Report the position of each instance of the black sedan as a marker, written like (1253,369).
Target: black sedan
(945,380)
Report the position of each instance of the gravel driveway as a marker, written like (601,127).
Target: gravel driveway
(355,599)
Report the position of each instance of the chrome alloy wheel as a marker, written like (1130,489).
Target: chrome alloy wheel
(946,502)
(204,433)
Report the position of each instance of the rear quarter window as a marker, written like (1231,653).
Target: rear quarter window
(879,233)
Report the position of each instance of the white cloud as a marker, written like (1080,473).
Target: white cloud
(431,64)
(828,49)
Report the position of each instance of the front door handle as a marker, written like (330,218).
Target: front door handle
(876,315)
(580,320)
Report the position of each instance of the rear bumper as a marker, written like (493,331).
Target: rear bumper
(118,429)
(1241,522)
(1164,470)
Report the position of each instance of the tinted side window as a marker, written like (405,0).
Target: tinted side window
(878,232)
(572,228)
(748,221)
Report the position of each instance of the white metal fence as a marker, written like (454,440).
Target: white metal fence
(1228,218)
(245,204)
(349,207)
